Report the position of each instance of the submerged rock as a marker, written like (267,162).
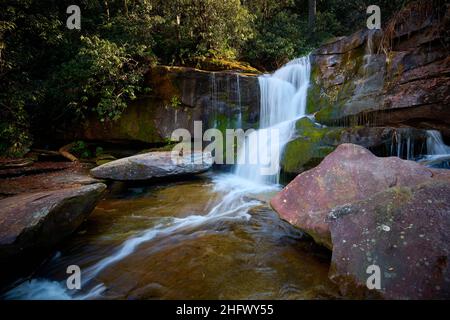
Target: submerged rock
(33,223)
(153,165)
(350,173)
(405,232)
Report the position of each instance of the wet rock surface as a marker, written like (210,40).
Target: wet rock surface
(56,176)
(312,142)
(403,231)
(153,165)
(33,223)
(386,212)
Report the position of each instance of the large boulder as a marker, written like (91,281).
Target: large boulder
(405,232)
(33,223)
(348,174)
(159,164)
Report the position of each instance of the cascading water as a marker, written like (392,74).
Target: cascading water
(283,100)
(402,146)
(438,153)
(213,94)
(238,94)
(435,144)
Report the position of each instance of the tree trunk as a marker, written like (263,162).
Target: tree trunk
(311,14)
(125,6)
(106,9)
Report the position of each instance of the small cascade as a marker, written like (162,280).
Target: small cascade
(214,98)
(283,100)
(435,144)
(369,51)
(438,153)
(402,146)
(238,95)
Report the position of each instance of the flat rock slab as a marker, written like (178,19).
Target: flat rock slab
(405,232)
(153,165)
(38,221)
(75,175)
(35,168)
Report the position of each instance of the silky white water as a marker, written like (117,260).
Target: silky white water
(283,101)
(435,144)
(438,153)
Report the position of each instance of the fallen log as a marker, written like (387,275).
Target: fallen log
(64,151)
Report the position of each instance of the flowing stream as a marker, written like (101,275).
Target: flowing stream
(212,237)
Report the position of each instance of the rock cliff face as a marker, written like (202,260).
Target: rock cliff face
(313,141)
(178,97)
(378,89)
(397,76)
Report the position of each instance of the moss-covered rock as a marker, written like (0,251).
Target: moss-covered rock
(308,148)
(312,142)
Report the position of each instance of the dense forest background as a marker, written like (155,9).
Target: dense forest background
(50,75)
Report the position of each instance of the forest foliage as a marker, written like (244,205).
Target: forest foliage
(51,76)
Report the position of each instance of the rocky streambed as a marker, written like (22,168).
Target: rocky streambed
(183,240)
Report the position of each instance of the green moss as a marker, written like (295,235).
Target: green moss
(217,64)
(327,100)
(312,144)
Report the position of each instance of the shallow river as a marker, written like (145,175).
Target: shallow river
(214,237)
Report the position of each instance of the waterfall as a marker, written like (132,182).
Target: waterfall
(435,144)
(283,100)
(238,94)
(213,94)
(438,153)
(369,51)
(402,146)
